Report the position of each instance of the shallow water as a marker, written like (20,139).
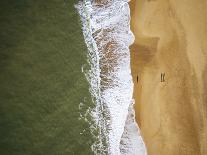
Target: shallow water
(106,28)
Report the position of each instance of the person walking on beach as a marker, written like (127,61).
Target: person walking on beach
(137,78)
(162,77)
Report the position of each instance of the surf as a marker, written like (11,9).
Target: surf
(107,34)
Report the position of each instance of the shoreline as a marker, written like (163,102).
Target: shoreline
(172,115)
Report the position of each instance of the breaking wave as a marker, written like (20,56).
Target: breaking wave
(106,29)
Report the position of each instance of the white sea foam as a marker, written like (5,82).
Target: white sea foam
(106,29)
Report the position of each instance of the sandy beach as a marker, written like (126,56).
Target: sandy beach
(171,39)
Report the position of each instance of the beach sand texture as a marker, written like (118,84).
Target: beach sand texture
(171,38)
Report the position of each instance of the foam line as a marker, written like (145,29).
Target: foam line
(106,29)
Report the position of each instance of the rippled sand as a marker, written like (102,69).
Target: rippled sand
(171,38)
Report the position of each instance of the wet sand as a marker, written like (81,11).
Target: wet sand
(171,38)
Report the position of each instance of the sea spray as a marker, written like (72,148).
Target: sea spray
(106,29)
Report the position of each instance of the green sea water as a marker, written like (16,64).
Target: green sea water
(41,84)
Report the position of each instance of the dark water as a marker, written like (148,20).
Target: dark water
(41,84)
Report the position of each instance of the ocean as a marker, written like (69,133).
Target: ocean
(42,52)
(65,79)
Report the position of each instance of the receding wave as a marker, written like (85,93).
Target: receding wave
(106,29)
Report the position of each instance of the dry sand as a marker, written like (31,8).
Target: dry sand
(171,38)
